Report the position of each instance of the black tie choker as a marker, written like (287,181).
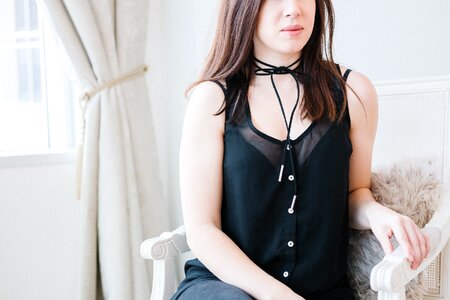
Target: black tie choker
(271,70)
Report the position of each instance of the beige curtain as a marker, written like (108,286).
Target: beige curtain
(121,193)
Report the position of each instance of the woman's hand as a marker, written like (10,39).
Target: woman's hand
(385,223)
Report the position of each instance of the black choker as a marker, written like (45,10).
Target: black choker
(273,69)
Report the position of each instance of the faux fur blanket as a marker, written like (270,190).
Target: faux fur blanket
(410,187)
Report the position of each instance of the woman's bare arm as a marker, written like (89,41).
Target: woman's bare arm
(364,211)
(201,158)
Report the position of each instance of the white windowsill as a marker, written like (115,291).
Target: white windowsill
(24,159)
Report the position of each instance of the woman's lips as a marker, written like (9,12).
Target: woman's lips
(293,30)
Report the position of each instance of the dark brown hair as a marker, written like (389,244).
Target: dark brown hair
(230,60)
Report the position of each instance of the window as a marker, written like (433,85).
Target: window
(37,96)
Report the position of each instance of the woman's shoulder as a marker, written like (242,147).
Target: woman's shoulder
(204,104)
(361,93)
(207,96)
(359,82)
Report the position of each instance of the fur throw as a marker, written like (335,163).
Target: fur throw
(410,187)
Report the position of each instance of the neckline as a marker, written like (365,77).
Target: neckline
(248,116)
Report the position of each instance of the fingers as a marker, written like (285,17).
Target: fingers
(427,239)
(423,241)
(386,244)
(403,240)
(415,243)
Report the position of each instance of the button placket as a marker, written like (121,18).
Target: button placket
(291,186)
(289,243)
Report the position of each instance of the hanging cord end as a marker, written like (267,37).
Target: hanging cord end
(80,152)
(281,173)
(79,171)
(291,209)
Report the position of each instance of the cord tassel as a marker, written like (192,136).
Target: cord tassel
(291,209)
(281,173)
(80,152)
(79,171)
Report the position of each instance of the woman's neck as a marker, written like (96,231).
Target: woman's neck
(284,81)
(278,61)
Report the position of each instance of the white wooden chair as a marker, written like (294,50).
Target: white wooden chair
(414,120)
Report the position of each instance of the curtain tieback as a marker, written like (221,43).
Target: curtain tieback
(113,82)
(85,97)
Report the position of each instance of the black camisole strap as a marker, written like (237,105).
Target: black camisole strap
(224,90)
(221,86)
(346,74)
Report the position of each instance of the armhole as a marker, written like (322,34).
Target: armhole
(345,76)
(224,90)
(346,108)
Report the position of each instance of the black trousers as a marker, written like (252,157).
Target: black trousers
(215,289)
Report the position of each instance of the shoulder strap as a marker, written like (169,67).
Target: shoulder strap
(224,90)
(345,76)
(221,86)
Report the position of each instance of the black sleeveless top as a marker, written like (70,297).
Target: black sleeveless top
(303,245)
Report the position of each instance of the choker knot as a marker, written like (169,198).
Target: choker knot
(268,69)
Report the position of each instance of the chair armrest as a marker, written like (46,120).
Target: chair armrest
(168,244)
(394,271)
(163,250)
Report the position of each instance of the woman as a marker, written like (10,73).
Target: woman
(275,160)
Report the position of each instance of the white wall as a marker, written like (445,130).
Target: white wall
(393,39)
(39,232)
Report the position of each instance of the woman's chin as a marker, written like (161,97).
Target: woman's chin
(289,51)
(289,48)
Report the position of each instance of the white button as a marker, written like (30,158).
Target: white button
(288,147)
(290,243)
(291,177)
(286,274)
(291,211)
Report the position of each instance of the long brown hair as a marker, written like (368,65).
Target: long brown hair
(230,60)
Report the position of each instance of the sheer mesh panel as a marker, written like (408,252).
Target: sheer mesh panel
(273,151)
(306,145)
